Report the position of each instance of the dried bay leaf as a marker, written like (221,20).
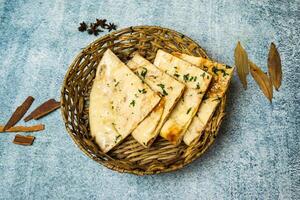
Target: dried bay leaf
(241,63)
(274,66)
(262,80)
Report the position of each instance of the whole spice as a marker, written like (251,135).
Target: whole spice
(111,26)
(90,31)
(82,27)
(101,23)
(43,109)
(274,66)
(262,80)
(241,63)
(23,140)
(19,113)
(34,128)
(94,29)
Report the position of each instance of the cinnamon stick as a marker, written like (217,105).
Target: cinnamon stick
(43,110)
(23,140)
(38,127)
(19,113)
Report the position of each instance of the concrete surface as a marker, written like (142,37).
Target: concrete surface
(256,155)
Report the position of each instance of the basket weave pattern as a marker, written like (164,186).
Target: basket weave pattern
(130,156)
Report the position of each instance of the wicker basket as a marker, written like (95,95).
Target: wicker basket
(130,156)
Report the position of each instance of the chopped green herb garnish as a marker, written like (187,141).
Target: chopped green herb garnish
(143,91)
(176,75)
(207,77)
(162,86)
(224,72)
(187,112)
(186,77)
(117,138)
(217,99)
(228,67)
(215,70)
(117,84)
(132,103)
(203,75)
(198,86)
(144,72)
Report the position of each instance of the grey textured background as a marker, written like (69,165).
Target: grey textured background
(256,155)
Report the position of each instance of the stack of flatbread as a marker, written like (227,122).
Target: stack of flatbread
(173,98)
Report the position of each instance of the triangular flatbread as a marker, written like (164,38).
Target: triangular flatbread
(115,111)
(196,82)
(221,78)
(170,90)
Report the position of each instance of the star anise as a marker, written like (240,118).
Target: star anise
(111,26)
(82,27)
(94,29)
(90,31)
(97,31)
(101,23)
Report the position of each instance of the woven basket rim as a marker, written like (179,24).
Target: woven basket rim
(107,164)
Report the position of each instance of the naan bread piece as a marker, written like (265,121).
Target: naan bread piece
(170,90)
(146,130)
(115,110)
(221,78)
(196,82)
